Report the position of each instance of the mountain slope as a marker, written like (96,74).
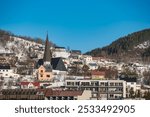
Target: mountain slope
(134,45)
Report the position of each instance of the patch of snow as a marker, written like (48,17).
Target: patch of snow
(143,45)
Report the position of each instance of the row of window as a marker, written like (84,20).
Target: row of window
(112,96)
(62,98)
(116,84)
(4,70)
(94,84)
(104,89)
(46,75)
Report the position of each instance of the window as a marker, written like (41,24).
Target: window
(96,83)
(116,84)
(120,89)
(41,71)
(111,95)
(111,84)
(96,89)
(47,75)
(120,84)
(41,75)
(106,84)
(68,83)
(72,83)
(102,84)
(77,83)
(85,83)
(92,83)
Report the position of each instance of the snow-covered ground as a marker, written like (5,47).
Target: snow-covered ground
(19,47)
(143,45)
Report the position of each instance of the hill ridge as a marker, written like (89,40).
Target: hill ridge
(126,46)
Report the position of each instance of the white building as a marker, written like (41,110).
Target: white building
(93,66)
(61,52)
(100,89)
(6,71)
(131,85)
(87,59)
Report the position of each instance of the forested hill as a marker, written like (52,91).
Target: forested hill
(133,45)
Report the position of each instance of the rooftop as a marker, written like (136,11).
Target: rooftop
(97,72)
(4,66)
(127,79)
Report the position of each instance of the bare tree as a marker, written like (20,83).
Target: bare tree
(146,79)
(85,70)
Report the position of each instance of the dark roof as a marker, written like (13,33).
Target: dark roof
(4,66)
(60,47)
(127,79)
(19,91)
(94,72)
(56,63)
(77,62)
(40,62)
(47,52)
(48,67)
(93,64)
(66,93)
(76,51)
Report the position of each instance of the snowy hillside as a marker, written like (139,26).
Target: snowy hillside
(19,46)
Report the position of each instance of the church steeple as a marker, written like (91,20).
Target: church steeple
(47,52)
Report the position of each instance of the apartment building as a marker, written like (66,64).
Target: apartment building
(100,89)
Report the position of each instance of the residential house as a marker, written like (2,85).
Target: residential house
(93,66)
(61,52)
(98,74)
(3,60)
(6,71)
(87,59)
(29,85)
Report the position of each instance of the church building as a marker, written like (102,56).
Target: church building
(48,67)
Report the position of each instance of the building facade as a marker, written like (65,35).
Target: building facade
(100,89)
(44,74)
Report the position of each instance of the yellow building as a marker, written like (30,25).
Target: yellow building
(44,74)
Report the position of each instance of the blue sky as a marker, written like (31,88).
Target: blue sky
(79,24)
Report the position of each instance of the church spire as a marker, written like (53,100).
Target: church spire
(47,52)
